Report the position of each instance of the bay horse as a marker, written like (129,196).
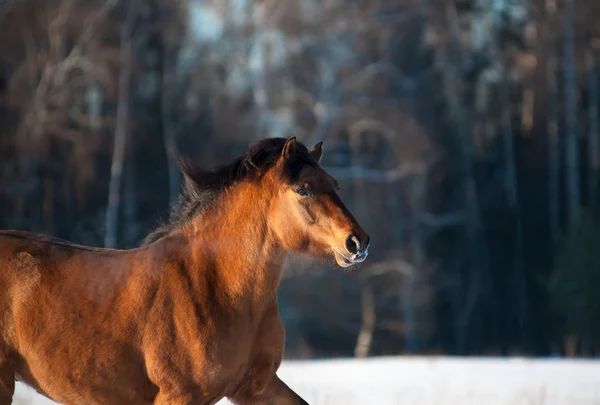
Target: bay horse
(191,315)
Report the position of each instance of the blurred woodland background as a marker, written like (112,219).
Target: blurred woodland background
(464,134)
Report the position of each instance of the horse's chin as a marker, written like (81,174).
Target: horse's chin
(341,260)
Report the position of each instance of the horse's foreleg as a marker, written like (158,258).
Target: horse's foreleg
(7,379)
(275,393)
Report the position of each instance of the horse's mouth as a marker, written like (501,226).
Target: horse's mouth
(345,261)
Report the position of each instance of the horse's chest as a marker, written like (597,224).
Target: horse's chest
(217,357)
(238,351)
(248,359)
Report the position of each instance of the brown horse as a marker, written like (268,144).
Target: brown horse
(189,317)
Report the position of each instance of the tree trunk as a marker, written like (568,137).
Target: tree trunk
(553,149)
(120,141)
(522,304)
(572,158)
(169,133)
(365,336)
(411,304)
(130,208)
(48,204)
(476,247)
(594,161)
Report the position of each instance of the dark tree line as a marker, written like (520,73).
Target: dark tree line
(464,134)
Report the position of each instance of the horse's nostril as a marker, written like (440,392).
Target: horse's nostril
(352,244)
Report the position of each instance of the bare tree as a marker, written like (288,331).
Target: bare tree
(552,123)
(120,140)
(593,136)
(365,335)
(571,147)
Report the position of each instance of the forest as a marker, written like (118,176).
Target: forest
(464,135)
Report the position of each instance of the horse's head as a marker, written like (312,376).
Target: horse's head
(303,210)
(307,213)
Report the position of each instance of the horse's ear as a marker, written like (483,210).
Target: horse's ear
(289,148)
(317,152)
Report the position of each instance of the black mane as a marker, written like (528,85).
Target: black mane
(200,188)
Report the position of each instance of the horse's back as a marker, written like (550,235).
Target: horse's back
(30,241)
(22,251)
(35,268)
(67,317)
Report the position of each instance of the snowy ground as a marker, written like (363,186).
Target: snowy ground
(431,381)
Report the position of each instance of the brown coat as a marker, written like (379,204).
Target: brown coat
(191,316)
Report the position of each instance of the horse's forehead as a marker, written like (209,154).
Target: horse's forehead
(315,175)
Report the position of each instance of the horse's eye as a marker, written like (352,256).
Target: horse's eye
(303,191)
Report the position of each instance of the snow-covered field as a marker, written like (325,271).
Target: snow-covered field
(431,381)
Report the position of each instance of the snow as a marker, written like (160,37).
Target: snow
(27,396)
(431,381)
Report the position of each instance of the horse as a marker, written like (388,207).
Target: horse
(190,316)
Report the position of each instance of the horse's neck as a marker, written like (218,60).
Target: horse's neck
(235,237)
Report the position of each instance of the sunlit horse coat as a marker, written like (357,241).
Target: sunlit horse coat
(191,316)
